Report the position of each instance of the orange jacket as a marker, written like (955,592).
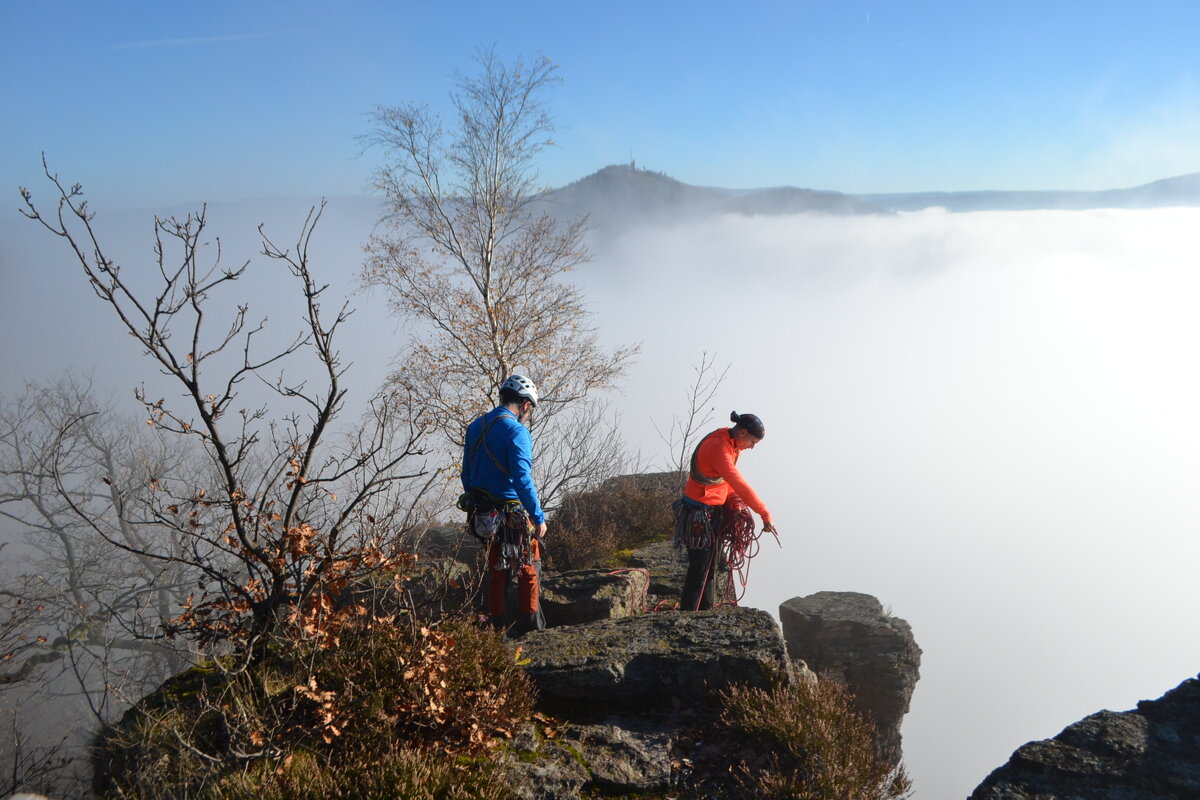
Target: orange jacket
(716,457)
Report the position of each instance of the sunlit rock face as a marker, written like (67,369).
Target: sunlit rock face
(1149,753)
(634,695)
(847,636)
(655,659)
(589,595)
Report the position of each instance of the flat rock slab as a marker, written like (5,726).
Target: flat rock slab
(653,659)
(579,596)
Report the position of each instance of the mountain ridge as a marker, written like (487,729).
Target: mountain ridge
(621,195)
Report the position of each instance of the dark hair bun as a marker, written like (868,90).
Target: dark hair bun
(749,422)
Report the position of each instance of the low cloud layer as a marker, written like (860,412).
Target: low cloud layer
(986,420)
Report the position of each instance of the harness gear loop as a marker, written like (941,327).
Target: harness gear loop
(695,523)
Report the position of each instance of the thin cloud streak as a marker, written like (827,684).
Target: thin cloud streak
(199,40)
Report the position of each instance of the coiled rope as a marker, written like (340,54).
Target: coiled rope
(739,545)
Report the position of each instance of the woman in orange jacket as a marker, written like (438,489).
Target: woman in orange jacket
(716,503)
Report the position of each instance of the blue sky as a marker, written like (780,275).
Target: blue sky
(154,103)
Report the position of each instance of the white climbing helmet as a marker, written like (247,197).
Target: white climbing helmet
(522,387)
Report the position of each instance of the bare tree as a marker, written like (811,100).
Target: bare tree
(27,760)
(680,438)
(478,271)
(64,460)
(283,509)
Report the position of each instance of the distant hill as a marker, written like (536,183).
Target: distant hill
(620,196)
(1180,191)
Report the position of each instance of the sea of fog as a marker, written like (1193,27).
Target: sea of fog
(988,421)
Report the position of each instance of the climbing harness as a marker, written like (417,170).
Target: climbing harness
(487,514)
(695,523)
(728,531)
(512,556)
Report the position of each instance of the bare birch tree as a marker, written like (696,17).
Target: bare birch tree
(479,271)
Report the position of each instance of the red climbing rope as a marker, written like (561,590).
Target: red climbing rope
(739,544)
(633,591)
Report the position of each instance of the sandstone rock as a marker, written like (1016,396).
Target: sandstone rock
(589,595)
(848,637)
(631,755)
(652,659)
(634,756)
(545,770)
(1150,753)
(667,565)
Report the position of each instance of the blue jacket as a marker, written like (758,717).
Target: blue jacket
(511,445)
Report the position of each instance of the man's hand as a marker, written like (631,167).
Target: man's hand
(539,531)
(769,527)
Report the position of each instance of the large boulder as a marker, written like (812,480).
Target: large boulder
(634,696)
(655,660)
(1149,753)
(589,595)
(847,636)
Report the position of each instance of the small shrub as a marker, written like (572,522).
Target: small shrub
(621,514)
(806,742)
(454,687)
(387,707)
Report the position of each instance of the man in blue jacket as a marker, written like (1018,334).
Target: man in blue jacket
(503,506)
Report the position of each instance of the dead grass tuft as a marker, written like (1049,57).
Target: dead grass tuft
(622,514)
